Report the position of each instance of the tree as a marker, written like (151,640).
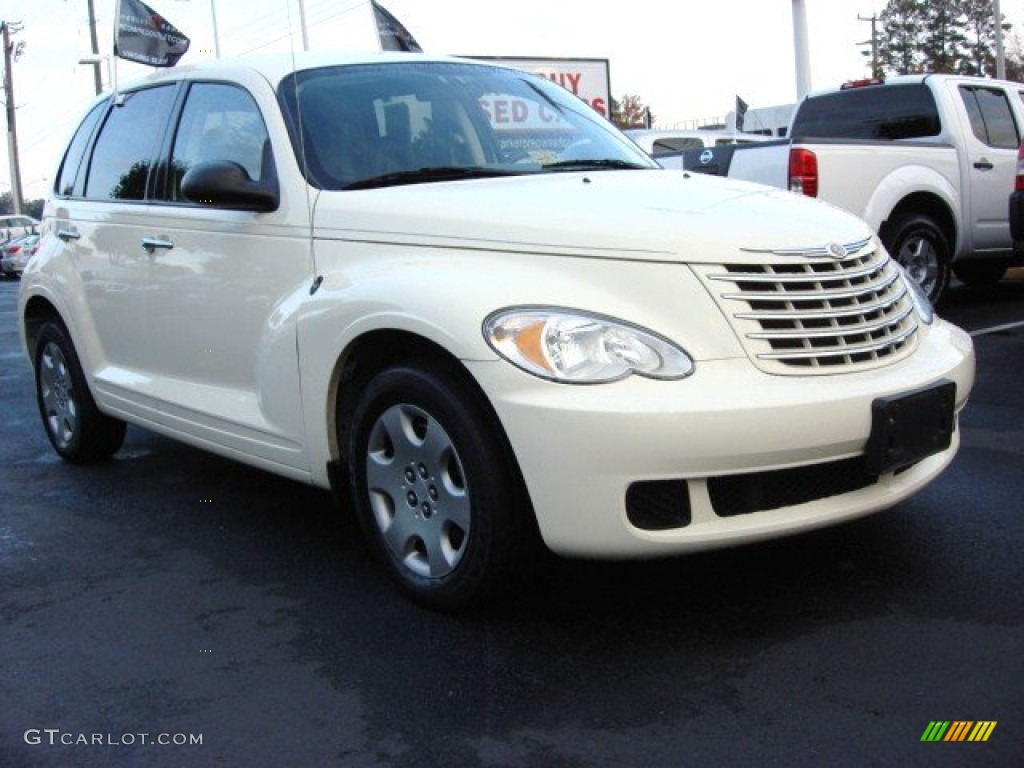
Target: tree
(630,112)
(943,43)
(980,58)
(950,36)
(33,208)
(899,49)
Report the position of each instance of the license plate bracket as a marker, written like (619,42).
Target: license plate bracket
(910,426)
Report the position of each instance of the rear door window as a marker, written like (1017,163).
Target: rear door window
(128,143)
(991,116)
(875,112)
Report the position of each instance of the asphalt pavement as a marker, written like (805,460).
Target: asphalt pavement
(172,608)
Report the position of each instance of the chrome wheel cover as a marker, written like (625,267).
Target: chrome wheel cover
(920,259)
(417,491)
(57,395)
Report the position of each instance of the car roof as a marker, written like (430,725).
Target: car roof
(274,67)
(915,79)
(17,220)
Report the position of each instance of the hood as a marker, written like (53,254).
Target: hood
(651,215)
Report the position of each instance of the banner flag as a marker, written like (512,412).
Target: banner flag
(146,37)
(393,36)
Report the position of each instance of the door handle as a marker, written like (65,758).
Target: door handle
(151,244)
(984,165)
(68,235)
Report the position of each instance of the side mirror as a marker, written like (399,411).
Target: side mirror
(227,185)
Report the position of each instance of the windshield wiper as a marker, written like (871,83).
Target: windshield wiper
(595,164)
(433,173)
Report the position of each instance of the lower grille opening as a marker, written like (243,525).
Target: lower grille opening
(759,491)
(658,505)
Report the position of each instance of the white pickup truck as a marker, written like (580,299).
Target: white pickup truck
(926,160)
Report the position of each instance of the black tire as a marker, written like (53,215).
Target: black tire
(920,246)
(435,488)
(78,431)
(980,274)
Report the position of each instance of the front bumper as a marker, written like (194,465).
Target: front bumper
(581,448)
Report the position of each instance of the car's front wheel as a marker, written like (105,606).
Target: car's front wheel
(79,432)
(435,487)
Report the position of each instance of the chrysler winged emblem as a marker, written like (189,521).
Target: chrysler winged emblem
(836,251)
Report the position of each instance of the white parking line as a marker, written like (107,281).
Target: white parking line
(998,328)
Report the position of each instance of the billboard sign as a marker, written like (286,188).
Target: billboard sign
(588,79)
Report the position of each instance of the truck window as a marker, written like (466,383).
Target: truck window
(667,146)
(874,112)
(991,117)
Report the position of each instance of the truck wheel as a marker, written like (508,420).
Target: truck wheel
(79,432)
(434,487)
(980,273)
(917,243)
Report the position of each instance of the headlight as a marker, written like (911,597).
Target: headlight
(580,348)
(922,303)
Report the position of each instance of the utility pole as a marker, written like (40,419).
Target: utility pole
(1000,55)
(10,53)
(97,76)
(216,34)
(800,49)
(302,24)
(876,69)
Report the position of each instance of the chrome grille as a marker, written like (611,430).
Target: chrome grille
(806,315)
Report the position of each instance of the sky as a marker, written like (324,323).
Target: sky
(686,60)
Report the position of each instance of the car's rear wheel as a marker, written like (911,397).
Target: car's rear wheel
(920,246)
(435,488)
(77,429)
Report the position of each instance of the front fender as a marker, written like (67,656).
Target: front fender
(443,295)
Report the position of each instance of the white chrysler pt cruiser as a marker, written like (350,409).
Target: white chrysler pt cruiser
(461,299)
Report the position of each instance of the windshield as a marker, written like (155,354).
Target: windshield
(361,126)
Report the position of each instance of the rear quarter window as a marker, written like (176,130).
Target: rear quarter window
(69,167)
(885,113)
